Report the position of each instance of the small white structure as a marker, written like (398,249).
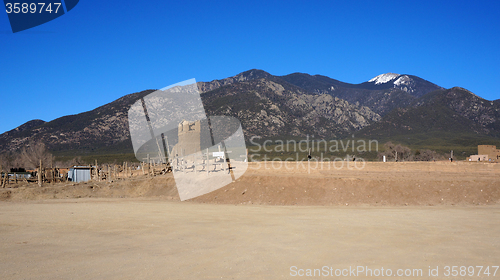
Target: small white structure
(478,158)
(218,154)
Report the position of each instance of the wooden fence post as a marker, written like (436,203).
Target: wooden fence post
(5,176)
(96,172)
(1,178)
(40,177)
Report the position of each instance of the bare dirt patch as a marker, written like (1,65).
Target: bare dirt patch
(404,183)
(100,238)
(138,229)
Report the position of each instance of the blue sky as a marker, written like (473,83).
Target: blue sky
(102,50)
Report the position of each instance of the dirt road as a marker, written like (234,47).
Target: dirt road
(272,223)
(157,239)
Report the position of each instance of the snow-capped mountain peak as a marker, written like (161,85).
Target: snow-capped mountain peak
(384,78)
(402,80)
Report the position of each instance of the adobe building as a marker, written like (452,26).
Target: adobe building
(490,150)
(478,158)
(488,153)
(189,138)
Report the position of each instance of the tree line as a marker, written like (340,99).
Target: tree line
(402,153)
(29,157)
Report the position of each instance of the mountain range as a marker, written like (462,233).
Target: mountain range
(403,108)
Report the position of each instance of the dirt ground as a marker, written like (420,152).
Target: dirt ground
(377,183)
(269,224)
(157,239)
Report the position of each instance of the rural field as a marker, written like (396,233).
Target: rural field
(274,222)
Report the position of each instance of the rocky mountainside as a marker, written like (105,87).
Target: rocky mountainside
(93,131)
(244,76)
(270,107)
(381,94)
(295,105)
(266,105)
(28,125)
(455,114)
(484,113)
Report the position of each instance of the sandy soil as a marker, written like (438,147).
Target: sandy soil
(157,239)
(386,215)
(404,183)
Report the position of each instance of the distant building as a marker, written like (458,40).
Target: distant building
(189,138)
(490,150)
(488,153)
(80,174)
(478,158)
